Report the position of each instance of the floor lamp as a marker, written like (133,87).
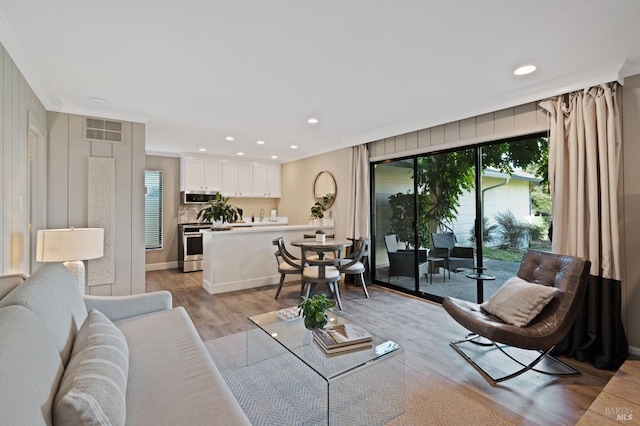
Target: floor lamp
(71,246)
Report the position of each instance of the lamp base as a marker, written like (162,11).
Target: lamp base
(76,267)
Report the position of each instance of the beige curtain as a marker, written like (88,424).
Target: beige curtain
(358,212)
(584,159)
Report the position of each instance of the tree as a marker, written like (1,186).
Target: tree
(443,178)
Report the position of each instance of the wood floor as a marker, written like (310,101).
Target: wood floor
(424,329)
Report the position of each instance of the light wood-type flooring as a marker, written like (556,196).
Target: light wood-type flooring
(424,329)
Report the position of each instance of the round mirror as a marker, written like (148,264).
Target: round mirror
(325,186)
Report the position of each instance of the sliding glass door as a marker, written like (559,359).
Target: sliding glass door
(394,218)
(439,216)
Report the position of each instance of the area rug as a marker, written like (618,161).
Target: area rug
(282,391)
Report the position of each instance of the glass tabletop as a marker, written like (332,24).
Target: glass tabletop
(291,335)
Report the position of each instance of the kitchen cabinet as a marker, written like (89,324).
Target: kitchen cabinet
(237,179)
(266,180)
(232,178)
(200,174)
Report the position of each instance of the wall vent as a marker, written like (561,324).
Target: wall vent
(96,129)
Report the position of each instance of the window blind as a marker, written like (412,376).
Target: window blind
(153,210)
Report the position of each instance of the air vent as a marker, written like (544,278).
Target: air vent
(96,129)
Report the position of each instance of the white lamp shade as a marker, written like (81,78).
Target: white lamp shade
(61,245)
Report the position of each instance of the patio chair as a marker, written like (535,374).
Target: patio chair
(402,262)
(455,257)
(569,274)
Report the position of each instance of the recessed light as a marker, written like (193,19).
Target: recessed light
(294,146)
(202,149)
(229,138)
(260,142)
(241,153)
(312,120)
(98,100)
(524,70)
(274,157)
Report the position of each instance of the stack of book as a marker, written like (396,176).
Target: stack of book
(343,338)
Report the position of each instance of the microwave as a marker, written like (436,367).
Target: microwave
(197,197)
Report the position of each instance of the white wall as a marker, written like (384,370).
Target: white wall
(67,201)
(17,104)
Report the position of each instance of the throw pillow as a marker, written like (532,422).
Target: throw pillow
(94,385)
(518,302)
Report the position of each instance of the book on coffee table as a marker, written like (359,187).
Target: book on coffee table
(344,349)
(342,335)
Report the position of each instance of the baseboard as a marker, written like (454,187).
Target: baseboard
(239,285)
(634,351)
(160,266)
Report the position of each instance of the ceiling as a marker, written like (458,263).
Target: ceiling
(198,71)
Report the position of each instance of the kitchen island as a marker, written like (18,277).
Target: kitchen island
(243,257)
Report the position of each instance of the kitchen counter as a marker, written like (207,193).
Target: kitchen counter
(242,257)
(247,228)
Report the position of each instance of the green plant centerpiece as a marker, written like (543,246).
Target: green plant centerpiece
(313,310)
(219,210)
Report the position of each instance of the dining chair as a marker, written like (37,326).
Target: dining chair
(317,271)
(287,264)
(355,264)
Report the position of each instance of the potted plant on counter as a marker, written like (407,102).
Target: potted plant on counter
(218,211)
(313,310)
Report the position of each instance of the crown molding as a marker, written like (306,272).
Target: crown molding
(15,51)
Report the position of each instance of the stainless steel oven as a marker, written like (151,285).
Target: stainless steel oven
(190,246)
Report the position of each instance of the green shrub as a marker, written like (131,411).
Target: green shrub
(512,232)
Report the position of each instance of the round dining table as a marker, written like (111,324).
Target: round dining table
(321,247)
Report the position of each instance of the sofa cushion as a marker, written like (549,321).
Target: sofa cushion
(172,379)
(51,293)
(518,302)
(30,368)
(94,384)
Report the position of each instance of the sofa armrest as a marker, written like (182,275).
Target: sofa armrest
(121,307)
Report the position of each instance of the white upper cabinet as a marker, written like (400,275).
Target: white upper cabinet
(200,174)
(273,178)
(231,178)
(266,180)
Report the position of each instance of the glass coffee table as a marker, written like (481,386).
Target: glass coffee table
(362,387)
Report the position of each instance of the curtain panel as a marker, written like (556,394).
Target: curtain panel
(584,158)
(358,212)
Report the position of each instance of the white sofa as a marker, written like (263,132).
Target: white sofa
(48,360)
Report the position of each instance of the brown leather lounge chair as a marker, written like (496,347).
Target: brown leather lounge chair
(567,273)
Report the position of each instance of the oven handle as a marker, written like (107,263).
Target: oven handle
(192,234)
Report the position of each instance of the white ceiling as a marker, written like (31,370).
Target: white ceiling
(197,71)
